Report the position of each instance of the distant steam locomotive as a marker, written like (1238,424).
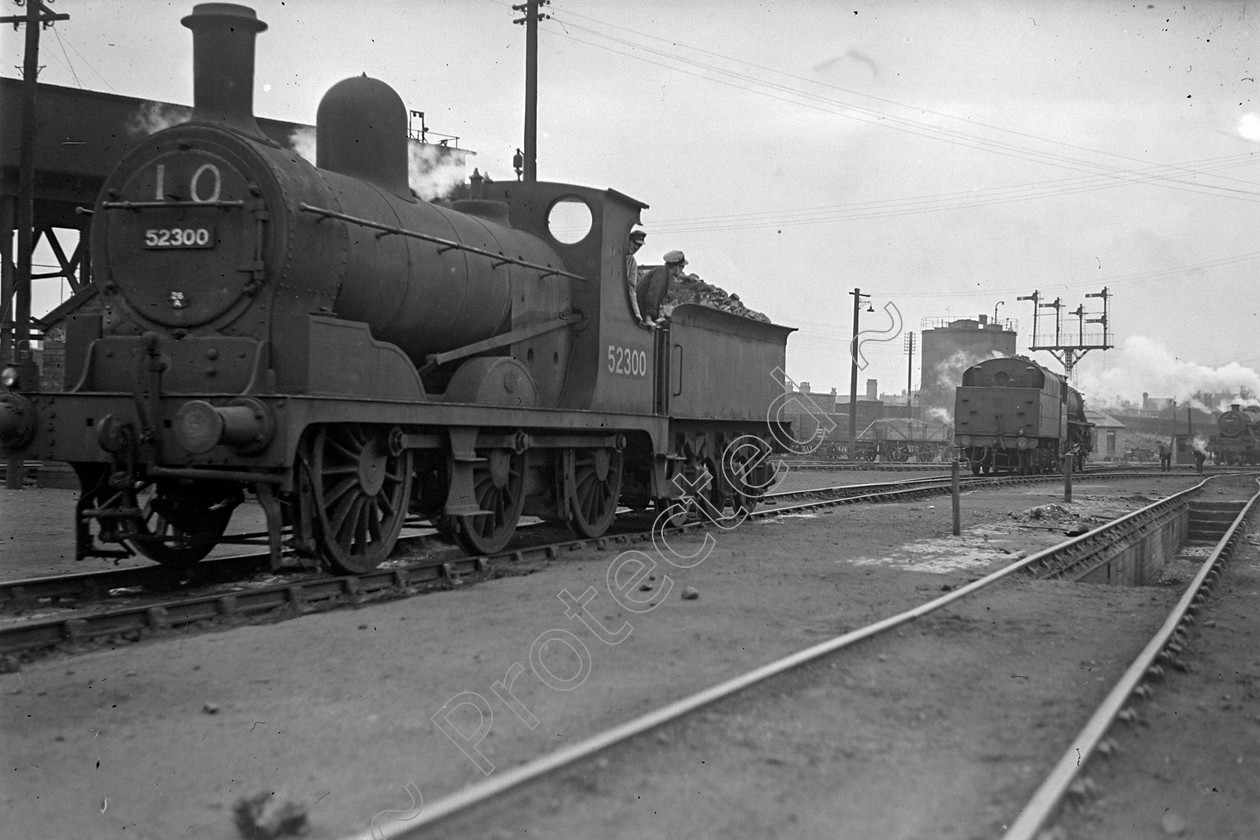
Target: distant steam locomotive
(1013,415)
(320,338)
(1238,436)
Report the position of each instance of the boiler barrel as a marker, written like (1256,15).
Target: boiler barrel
(422,295)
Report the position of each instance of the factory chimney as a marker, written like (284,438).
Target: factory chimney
(223,65)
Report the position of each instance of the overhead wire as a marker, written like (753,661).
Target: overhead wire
(69,63)
(1110,179)
(892,208)
(866,95)
(673,44)
(946,135)
(1098,176)
(828,332)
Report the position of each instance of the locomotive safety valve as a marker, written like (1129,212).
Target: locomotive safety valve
(245,424)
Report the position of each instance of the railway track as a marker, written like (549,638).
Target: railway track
(95,585)
(53,590)
(1135,685)
(907,466)
(150,607)
(541,794)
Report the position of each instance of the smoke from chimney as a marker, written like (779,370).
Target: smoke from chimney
(152,117)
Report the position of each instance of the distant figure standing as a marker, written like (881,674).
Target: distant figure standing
(654,288)
(1199,457)
(1165,457)
(632,275)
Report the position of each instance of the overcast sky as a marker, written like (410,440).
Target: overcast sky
(946,158)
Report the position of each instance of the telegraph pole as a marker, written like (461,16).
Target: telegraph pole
(909,341)
(530,20)
(18,295)
(36,17)
(853,369)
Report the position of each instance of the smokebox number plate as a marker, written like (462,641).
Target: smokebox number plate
(166,238)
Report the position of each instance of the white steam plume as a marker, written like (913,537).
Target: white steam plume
(152,117)
(302,141)
(434,171)
(1143,365)
(937,394)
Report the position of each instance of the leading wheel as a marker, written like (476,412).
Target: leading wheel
(360,491)
(178,526)
(592,489)
(499,487)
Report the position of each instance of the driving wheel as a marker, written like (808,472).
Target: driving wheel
(593,488)
(499,487)
(360,491)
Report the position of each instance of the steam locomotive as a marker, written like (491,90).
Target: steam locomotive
(319,338)
(1013,415)
(1238,436)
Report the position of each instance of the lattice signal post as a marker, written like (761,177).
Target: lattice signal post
(1063,348)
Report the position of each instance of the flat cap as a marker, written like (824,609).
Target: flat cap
(675,257)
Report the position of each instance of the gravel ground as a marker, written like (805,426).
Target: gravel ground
(334,712)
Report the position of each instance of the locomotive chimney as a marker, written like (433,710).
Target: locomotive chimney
(223,65)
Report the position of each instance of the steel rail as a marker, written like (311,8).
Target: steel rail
(300,595)
(1092,545)
(539,767)
(91,584)
(1049,795)
(501,783)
